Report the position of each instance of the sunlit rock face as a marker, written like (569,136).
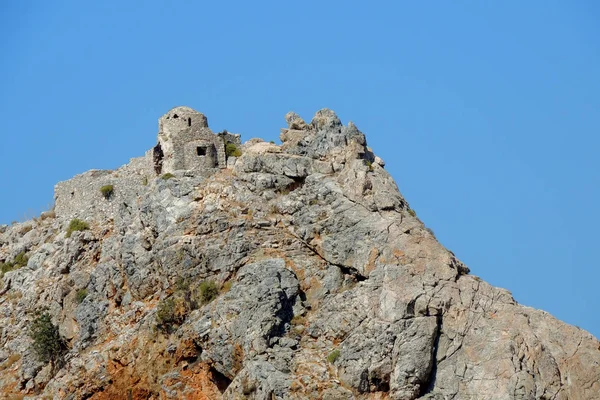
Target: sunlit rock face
(292,271)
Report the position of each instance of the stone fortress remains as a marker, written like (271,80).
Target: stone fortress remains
(186,145)
(185,142)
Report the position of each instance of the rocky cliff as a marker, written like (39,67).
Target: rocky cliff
(297,272)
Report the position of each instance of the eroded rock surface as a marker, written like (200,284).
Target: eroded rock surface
(325,285)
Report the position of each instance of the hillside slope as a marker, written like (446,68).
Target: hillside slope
(297,272)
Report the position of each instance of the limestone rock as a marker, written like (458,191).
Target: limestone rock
(295,122)
(297,272)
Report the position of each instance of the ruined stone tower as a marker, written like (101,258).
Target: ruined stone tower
(185,142)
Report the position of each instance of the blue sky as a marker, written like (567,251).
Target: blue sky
(487,113)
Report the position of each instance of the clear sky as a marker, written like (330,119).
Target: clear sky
(487,113)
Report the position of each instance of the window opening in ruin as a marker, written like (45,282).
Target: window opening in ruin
(189,122)
(175,116)
(201,150)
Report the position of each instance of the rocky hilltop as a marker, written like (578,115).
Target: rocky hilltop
(212,269)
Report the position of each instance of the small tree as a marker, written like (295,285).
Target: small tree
(47,343)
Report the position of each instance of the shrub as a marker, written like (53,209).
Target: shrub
(182,284)
(107,191)
(20,261)
(145,181)
(81,295)
(170,312)
(232,150)
(226,286)
(412,212)
(47,343)
(6,267)
(77,225)
(369,165)
(47,214)
(165,313)
(333,356)
(168,176)
(208,291)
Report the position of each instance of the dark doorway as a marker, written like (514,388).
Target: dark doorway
(189,122)
(157,157)
(201,150)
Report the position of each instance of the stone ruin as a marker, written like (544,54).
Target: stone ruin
(185,144)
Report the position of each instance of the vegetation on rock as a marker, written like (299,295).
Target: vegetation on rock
(333,356)
(171,312)
(232,150)
(77,225)
(107,191)
(208,291)
(81,295)
(20,261)
(47,343)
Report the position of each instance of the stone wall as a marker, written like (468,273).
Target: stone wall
(80,197)
(181,150)
(185,143)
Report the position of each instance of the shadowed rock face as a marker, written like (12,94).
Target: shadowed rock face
(298,272)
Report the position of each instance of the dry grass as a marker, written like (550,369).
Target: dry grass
(10,362)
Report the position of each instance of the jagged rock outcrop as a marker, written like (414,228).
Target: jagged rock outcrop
(297,272)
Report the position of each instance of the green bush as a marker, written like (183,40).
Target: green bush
(107,191)
(171,312)
(334,355)
(165,313)
(81,295)
(6,267)
(182,284)
(77,225)
(232,150)
(168,176)
(47,343)
(412,212)
(20,261)
(208,291)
